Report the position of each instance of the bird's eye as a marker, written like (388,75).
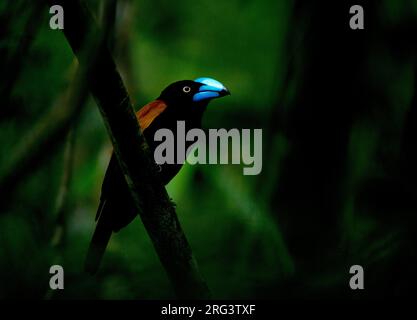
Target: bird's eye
(186,89)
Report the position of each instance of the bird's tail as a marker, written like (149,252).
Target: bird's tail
(98,245)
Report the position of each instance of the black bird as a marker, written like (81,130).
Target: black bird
(184,100)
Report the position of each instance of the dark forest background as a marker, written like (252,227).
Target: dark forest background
(338,109)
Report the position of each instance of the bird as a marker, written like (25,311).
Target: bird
(184,100)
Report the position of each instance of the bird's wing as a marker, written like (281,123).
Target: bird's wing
(113,193)
(113,179)
(149,112)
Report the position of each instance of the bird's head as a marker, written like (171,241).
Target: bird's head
(193,93)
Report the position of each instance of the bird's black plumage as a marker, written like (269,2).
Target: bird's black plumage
(116,209)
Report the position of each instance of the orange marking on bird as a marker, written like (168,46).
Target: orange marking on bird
(149,112)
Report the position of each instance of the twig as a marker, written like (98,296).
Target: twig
(61,206)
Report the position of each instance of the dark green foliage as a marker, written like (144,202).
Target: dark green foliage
(338,186)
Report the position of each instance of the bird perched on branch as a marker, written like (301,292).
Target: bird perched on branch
(181,101)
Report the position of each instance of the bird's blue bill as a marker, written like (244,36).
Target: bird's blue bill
(210,89)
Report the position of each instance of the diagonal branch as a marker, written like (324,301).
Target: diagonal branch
(150,197)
